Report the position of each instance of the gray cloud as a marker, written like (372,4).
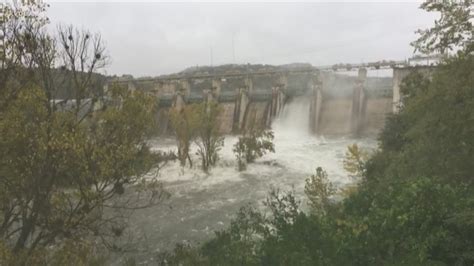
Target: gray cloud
(159,38)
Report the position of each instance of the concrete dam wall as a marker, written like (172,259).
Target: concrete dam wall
(351,105)
(338,104)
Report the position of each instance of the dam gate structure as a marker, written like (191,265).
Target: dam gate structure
(338,104)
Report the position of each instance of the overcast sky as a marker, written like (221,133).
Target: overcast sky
(159,38)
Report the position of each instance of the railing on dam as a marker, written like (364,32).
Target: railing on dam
(260,95)
(256,96)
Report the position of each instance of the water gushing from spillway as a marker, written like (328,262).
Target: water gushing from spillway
(293,121)
(202,203)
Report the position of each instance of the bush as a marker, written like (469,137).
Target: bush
(252,145)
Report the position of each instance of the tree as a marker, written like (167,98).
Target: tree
(17,64)
(184,123)
(283,235)
(453,30)
(355,160)
(434,126)
(68,172)
(253,144)
(82,53)
(209,140)
(319,190)
(416,193)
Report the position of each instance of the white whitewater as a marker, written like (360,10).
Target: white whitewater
(203,203)
(293,121)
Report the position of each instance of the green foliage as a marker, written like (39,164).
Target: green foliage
(294,238)
(422,177)
(60,170)
(392,138)
(414,204)
(413,86)
(238,245)
(453,30)
(355,163)
(435,127)
(286,236)
(252,145)
(70,252)
(58,174)
(198,123)
(355,160)
(319,190)
(182,255)
(408,221)
(185,125)
(209,140)
(63,168)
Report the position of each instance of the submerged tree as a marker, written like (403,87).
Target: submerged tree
(253,144)
(209,140)
(67,171)
(184,123)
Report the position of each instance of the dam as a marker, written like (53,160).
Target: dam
(340,105)
(315,115)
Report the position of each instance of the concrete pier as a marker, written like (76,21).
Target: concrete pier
(315,105)
(359,103)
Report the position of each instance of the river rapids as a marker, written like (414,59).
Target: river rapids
(201,203)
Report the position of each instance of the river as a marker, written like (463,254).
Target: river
(201,203)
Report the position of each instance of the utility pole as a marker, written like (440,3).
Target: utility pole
(210,54)
(233,47)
